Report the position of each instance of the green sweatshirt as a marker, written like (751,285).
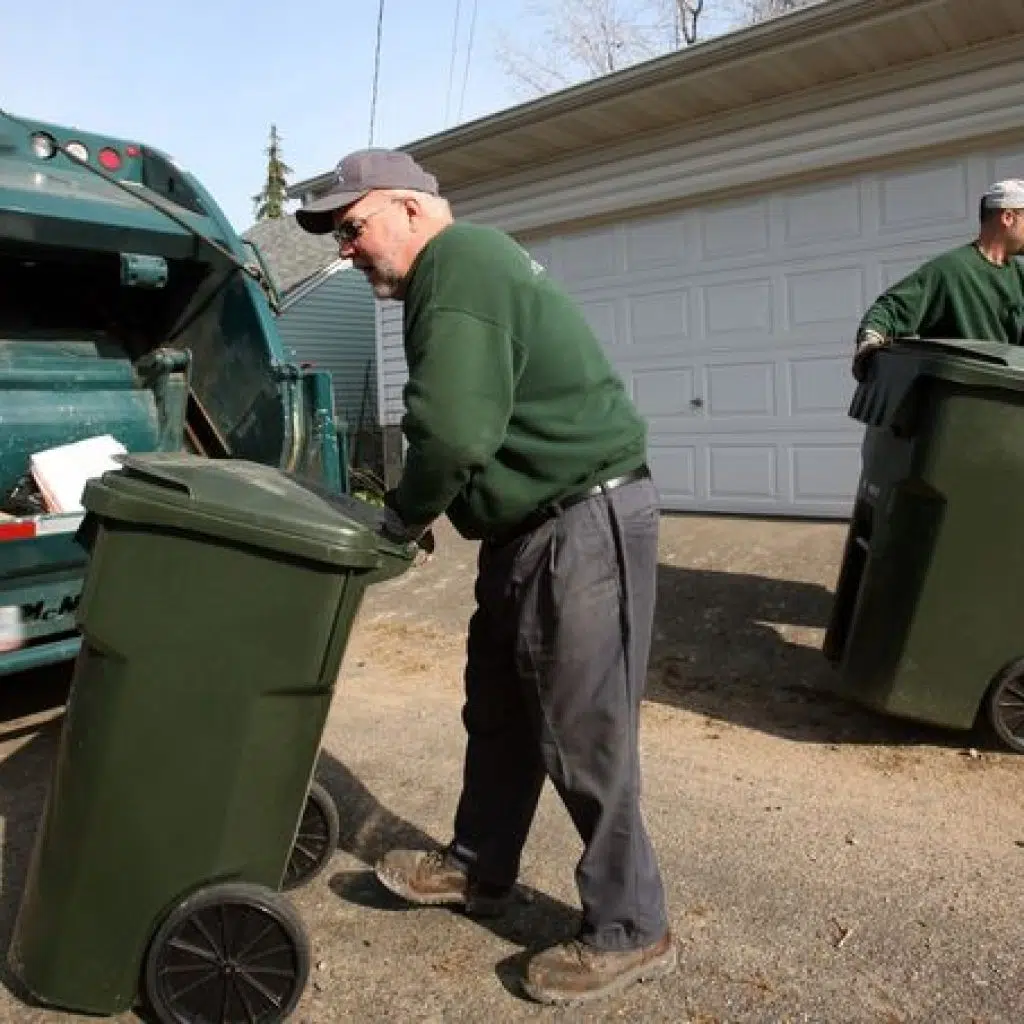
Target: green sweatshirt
(959,294)
(511,402)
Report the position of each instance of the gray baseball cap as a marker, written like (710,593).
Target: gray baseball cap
(359,173)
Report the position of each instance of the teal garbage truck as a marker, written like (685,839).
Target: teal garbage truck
(131,315)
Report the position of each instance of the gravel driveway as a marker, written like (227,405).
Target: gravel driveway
(823,863)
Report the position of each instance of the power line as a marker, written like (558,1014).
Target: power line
(469,54)
(451,66)
(376,69)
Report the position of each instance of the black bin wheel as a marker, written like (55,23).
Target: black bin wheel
(1005,707)
(316,840)
(229,954)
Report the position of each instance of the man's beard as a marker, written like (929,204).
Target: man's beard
(385,282)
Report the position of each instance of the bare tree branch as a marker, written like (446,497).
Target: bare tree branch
(575,40)
(561,42)
(688,14)
(754,11)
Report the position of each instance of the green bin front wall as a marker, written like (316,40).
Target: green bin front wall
(192,732)
(940,608)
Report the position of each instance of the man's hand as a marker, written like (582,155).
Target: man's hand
(424,548)
(868,343)
(395,529)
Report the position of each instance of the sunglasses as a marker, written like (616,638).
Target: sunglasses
(349,231)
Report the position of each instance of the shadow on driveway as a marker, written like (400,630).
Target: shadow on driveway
(31,713)
(31,710)
(746,649)
(368,830)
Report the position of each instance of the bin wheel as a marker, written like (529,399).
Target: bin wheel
(229,954)
(1005,705)
(316,840)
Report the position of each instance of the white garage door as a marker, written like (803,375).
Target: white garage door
(733,324)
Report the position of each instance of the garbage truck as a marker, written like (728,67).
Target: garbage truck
(132,313)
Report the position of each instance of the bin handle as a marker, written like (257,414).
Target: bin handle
(154,476)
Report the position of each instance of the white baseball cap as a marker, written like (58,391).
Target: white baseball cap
(1005,195)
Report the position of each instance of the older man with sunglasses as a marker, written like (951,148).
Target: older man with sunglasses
(520,431)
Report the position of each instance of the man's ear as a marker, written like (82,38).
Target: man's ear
(414,211)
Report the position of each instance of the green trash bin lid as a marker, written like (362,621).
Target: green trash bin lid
(893,373)
(235,500)
(994,354)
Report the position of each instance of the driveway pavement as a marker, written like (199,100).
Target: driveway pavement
(823,864)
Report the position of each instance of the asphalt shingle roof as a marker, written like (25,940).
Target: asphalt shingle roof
(294,255)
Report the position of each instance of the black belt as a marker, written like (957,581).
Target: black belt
(555,508)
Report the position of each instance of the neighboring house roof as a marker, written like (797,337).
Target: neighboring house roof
(293,255)
(314,184)
(300,291)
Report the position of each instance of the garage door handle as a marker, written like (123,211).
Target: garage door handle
(697,403)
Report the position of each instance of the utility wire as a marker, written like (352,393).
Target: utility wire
(376,69)
(451,66)
(469,54)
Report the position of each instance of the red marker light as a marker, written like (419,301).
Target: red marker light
(109,158)
(17,531)
(132,150)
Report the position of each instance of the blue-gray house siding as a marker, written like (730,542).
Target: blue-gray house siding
(330,322)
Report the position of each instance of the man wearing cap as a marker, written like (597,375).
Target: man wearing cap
(521,432)
(975,291)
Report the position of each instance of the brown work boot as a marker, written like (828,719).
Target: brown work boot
(574,972)
(433,878)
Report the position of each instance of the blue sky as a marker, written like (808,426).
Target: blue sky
(204,79)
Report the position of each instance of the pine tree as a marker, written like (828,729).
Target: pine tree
(270,201)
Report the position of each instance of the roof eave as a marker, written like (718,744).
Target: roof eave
(741,46)
(295,191)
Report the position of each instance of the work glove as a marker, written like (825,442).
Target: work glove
(868,343)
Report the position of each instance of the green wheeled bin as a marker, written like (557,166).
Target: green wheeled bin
(928,617)
(217,606)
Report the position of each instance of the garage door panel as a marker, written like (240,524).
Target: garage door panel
(797,390)
(677,429)
(934,195)
(823,215)
(820,385)
(602,319)
(655,243)
(822,473)
(738,307)
(1009,164)
(740,389)
(747,474)
(673,468)
(743,472)
(590,255)
(830,296)
(735,229)
(765,270)
(658,317)
(664,393)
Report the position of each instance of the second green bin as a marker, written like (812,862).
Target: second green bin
(928,614)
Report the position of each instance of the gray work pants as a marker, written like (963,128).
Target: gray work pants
(557,660)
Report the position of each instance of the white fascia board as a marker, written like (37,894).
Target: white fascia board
(959,109)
